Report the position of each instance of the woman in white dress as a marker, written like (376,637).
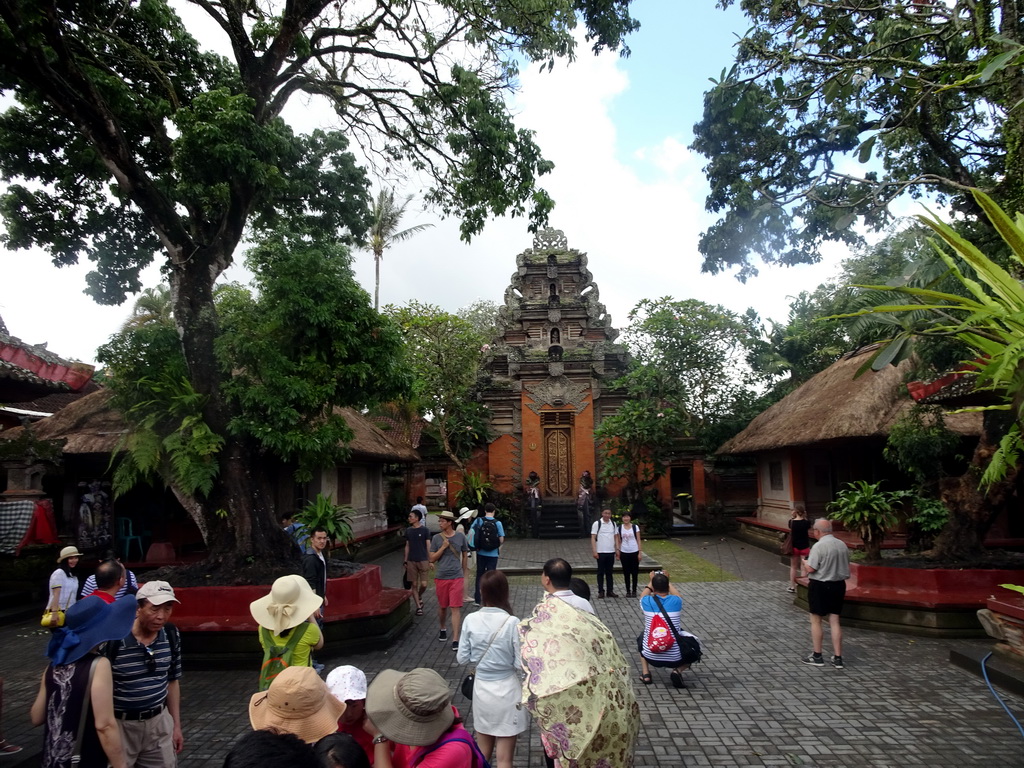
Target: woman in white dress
(490,640)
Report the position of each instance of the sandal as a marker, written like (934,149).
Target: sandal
(646,679)
(8,749)
(419,611)
(677,679)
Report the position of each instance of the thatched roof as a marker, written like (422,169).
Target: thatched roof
(372,443)
(91,425)
(834,405)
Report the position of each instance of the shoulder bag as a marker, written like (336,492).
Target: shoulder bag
(689,646)
(468,680)
(786,547)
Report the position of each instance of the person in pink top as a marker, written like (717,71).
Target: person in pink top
(413,712)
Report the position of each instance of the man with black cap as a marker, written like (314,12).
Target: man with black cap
(147,667)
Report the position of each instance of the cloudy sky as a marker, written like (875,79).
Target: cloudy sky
(628,193)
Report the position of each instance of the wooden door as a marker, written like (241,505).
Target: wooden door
(558,461)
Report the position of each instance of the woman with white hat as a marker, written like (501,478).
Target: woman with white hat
(414,711)
(76,694)
(63,581)
(287,624)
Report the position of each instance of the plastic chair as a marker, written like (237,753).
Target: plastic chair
(126,537)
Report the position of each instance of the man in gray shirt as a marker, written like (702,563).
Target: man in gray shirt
(828,568)
(449,553)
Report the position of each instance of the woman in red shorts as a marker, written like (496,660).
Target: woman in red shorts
(800,527)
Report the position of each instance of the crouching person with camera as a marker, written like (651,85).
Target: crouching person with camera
(663,642)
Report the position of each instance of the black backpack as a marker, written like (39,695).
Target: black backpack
(487,538)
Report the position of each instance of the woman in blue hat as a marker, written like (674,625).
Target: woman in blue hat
(76,695)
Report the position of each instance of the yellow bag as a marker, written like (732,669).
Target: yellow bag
(52,619)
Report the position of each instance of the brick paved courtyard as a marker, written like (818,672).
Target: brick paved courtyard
(899,702)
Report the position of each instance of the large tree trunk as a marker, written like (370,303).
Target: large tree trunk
(972,510)
(238,519)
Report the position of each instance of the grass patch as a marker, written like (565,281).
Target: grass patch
(683,566)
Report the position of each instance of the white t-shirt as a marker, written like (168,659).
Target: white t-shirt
(570,597)
(605,533)
(627,539)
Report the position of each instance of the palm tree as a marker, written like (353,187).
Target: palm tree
(384,232)
(152,307)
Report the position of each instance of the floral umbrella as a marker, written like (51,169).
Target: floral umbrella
(578,687)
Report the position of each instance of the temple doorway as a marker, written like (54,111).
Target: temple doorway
(558,437)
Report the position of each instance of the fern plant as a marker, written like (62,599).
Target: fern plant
(169,440)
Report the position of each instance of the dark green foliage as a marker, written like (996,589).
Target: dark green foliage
(300,347)
(444,357)
(920,444)
(27,447)
(688,387)
(834,110)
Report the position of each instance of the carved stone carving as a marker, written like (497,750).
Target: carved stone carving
(554,314)
(556,369)
(558,391)
(550,239)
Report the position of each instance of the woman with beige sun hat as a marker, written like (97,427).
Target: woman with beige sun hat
(63,581)
(288,630)
(297,702)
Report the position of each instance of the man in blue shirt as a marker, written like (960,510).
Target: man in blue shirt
(486,532)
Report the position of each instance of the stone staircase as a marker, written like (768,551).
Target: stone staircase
(560,520)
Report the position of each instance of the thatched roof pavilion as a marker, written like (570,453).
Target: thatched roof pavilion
(91,425)
(833,406)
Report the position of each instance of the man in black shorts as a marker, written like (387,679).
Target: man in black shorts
(828,568)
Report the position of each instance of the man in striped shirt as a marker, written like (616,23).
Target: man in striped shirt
(130,584)
(147,666)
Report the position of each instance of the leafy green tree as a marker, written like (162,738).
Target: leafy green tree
(482,314)
(832,110)
(689,378)
(127,139)
(639,440)
(385,218)
(291,354)
(445,352)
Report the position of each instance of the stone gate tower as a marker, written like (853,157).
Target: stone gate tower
(550,371)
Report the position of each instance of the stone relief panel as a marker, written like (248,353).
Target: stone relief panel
(557,392)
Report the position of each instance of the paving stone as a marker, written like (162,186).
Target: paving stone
(899,702)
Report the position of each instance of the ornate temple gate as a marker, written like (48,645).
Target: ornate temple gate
(558,440)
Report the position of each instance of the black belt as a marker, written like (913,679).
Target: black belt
(140,714)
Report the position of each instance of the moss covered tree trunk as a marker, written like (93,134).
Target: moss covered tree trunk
(972,510)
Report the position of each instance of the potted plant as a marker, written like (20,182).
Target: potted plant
(322,512)
(868,511)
